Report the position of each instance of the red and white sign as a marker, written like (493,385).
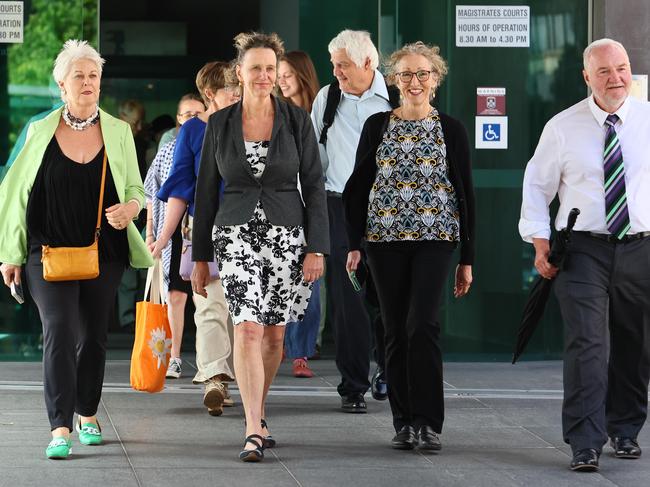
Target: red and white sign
(490,101)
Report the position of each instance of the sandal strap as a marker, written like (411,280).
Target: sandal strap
(264,425)
(252,439)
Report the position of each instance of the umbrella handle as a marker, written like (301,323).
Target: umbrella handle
(571,221)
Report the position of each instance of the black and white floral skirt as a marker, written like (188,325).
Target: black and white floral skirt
(260,265)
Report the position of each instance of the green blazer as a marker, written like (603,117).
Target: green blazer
(18,182)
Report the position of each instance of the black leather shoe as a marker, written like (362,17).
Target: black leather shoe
(405,439)
(428,439)
(378,386)
(354,403)
(585,460)
(625,448)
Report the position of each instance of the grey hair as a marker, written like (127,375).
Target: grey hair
(430,52)
(74,50)
(358,45)
(586,54)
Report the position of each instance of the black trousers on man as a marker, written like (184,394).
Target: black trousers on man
(604,295)
(75,316)
(409,277)
(348,314)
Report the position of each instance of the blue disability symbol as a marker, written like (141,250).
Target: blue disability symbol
(491,133)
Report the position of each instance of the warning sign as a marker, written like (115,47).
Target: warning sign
(490,101)
(492,26)
(11,22)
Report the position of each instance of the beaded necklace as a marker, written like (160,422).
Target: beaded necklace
(78,123)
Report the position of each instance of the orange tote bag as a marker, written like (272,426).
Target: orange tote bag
(152,345)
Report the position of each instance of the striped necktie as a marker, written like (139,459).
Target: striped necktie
(617,216)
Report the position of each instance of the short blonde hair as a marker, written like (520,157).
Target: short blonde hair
(214,76)
(358,46)
(430,52)
(251,40)
(74,50)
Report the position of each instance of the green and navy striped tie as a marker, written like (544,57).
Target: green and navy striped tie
(617,216)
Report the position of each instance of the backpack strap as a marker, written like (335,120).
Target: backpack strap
(333,100)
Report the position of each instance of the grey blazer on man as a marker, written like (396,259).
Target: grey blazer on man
(292,154)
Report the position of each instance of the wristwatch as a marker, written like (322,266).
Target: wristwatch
(319,254)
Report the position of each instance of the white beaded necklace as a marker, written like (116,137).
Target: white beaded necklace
(77,123)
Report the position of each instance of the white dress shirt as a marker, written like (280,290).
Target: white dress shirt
(343,136)
(568,162)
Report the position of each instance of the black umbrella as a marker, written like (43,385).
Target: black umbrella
(534,309)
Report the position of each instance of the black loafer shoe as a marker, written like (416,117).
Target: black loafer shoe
(354,403)
(428,439)
(585,460)
(625,448)
(405,439)
(378,386)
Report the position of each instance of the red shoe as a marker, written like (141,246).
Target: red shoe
(301,369)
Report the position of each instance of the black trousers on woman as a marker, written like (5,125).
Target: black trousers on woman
(74,315)
(409,277)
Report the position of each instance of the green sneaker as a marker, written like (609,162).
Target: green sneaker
(59,447)
(89,433)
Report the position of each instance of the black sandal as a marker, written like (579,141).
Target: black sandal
(255,455)
(269,442)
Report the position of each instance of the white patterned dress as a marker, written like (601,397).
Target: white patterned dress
(261,264)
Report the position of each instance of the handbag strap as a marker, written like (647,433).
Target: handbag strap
(185,231)
(153,282)
(101,198)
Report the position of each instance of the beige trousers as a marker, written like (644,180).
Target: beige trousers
(214,334)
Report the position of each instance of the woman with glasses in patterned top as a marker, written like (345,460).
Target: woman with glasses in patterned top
(410,203)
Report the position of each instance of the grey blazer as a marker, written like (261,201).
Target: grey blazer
(292,154)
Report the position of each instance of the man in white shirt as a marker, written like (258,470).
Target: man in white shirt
(363,93)
(594,156)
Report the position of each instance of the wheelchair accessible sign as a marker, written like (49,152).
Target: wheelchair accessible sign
(491,123)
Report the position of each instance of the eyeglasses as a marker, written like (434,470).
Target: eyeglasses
(187,115)
(407,76)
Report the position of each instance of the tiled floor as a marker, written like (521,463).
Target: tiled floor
(502,429)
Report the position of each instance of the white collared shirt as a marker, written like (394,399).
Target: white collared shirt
(340,151)
(568,162)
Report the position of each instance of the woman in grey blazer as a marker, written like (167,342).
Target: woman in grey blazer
(261,185)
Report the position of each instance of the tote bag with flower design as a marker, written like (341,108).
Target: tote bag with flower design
(152,345)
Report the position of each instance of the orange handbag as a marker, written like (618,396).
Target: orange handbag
(152,345)
(75,263)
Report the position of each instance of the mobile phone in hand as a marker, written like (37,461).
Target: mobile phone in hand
(17,292)
(355,282)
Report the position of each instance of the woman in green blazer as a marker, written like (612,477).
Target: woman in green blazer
(50,197)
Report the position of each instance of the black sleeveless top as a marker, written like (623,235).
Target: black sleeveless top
(62,207)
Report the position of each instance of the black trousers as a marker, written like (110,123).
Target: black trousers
(409,277)
(604,295)
(349,318)
(75,316)
(374,313)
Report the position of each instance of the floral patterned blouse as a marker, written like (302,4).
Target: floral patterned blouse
(412,197)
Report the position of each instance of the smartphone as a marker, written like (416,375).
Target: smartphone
(17,292)
(355,282)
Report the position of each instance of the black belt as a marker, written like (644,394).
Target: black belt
(334,194)
(612,238)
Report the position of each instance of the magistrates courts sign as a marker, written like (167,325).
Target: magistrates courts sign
(11,22)
(492,26)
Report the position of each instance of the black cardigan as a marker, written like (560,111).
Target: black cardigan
(357,189)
